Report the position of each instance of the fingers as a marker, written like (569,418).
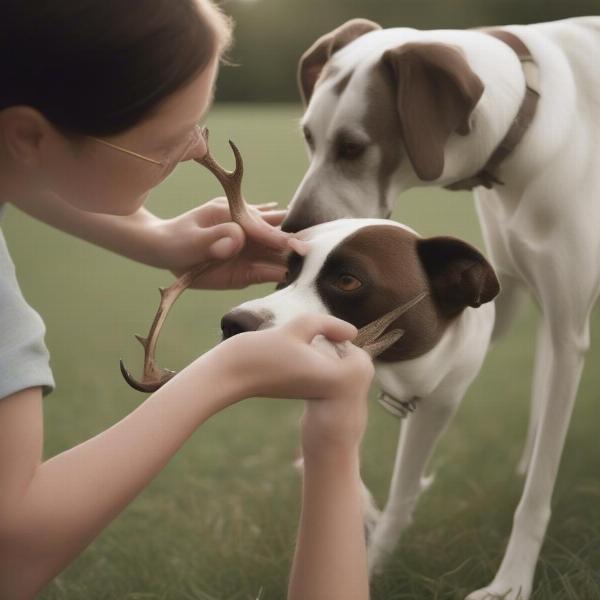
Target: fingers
(265,273)
(266,205)
(262,232)
(223,241)
(299,246)
(260,225)
(273,217)
(334,329)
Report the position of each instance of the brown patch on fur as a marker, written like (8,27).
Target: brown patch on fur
(382,124)
(316,57)
(436,94)
(394,266)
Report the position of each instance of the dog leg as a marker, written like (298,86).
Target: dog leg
(539,391)
(418,437)
(568,342)
(371,513)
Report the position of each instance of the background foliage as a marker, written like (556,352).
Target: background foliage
(272,34)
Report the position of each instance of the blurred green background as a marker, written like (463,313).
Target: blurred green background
(272,34)
(219,522)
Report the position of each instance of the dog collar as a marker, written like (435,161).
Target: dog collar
(486,176)
(399,408)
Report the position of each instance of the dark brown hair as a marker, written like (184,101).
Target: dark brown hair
(98,67)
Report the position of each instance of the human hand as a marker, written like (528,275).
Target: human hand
(310,358)
(290,361)
(337,422)
(207,233)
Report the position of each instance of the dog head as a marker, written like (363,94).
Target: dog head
(383,106)
(360,269)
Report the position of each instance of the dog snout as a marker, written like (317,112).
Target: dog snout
(304,213)
(239,321)
(297,222)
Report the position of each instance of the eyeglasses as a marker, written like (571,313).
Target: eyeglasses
(165,166)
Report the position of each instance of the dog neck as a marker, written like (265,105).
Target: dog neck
(486,176)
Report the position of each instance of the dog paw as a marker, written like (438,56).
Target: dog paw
(500,592)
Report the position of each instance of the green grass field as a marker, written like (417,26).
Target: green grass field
(220,521)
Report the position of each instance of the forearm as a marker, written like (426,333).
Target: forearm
(126,235)
(330,561)
(73,496)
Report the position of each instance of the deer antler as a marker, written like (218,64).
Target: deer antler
(154,376)
(371,337)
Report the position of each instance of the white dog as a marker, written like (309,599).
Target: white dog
(514,113)
(361,269)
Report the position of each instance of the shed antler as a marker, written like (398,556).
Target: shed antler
(372,339)
(154,376)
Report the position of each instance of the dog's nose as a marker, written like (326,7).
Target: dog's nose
(238,321)
(303,215)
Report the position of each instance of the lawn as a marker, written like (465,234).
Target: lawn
(219,522)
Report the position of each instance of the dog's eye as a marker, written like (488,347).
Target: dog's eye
(347,283)
(350,150)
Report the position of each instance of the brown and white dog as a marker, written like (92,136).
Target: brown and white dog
(514,113)
(361,269)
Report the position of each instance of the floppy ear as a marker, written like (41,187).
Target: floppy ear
(436,94)
(316,57)
(459,275)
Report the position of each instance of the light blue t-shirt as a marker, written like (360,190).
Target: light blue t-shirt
(24,358)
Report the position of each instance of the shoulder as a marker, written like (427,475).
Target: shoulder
(24,358)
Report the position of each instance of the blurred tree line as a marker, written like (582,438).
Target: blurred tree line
(271,35)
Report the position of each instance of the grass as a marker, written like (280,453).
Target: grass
(219,522)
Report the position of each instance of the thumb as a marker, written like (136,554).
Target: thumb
(224,240)
(308,327)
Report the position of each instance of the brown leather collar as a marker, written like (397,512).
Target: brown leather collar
(486,176)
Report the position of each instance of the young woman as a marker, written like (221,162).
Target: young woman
(99,102)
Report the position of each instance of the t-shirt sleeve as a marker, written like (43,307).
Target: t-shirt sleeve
(24,358)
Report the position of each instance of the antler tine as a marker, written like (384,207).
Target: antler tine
(230,180)
(154,376)
(381,344)
(370,336)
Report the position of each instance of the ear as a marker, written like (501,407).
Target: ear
(459,275)
(316,57)
(436,94)
(22,129)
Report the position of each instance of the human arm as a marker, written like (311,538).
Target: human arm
(330,562)
(50,511)
(179,243)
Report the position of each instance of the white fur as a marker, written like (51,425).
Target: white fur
(540,228)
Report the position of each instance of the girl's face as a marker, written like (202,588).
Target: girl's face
(114,175)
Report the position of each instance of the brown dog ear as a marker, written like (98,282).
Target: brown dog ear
(436,94)
(316,57)
(459,275)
